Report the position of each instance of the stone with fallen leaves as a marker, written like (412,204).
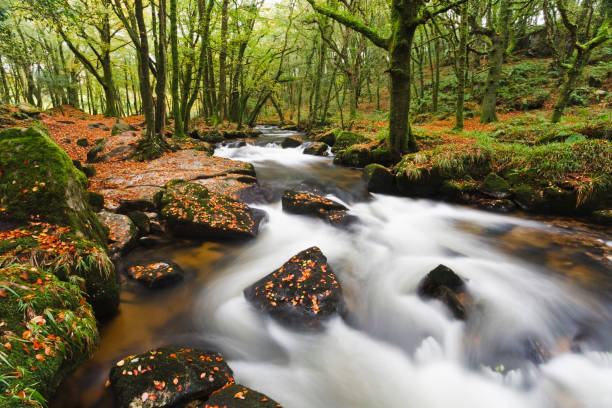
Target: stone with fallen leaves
(239,396)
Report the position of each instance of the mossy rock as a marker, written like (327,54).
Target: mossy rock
(192,211)
(291,141)
(48,331)
(39,179)
(92,154)
(496,187)
(20,116)
(382,155)
(239,396)
(603,217)
(71,257)
(89,171)
(82,142)
(142,222)
(418,182)
(456,190)
(346,139)
(120,127)
(354,156)
(317,149)
(96,201)
(328,137)
(168,377)
(551,199)
(380,179)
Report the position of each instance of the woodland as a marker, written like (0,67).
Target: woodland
(158,156)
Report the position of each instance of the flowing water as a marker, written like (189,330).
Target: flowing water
(540,334)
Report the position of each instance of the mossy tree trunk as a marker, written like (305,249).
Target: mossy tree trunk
(499,34)
(582,43)
(176,106)
(222,98)
(162,69)
(143,70)
(406,16)
(462,62)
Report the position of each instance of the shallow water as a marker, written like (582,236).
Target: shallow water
(537,288)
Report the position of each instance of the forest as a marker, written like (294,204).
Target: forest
(298,203)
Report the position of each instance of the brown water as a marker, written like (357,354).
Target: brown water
(548,280)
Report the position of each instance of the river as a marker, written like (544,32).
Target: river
(539,336)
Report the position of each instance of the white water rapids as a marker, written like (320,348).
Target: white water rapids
(397,350)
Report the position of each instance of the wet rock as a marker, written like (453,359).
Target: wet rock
(603,217)
(239,396)
(141,221)
(96,201)
(291,141)
(499,206)
(317,149)
(121,127)
(122,232)
(446,286)
(304,203)
(328,137)
(380,179)
(156,275)
(496,187)
(168,377)
(302,293)
(193,211)
(292,127)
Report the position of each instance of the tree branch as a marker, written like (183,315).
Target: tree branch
(352,22)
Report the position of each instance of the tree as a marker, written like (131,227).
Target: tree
(585,34)
(406,17)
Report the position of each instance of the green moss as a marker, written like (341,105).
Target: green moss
(141,221)
(355,156)
(39,179)
(603,217)
(380,179)
(82,142)
(96,201)
(345,139)
(92,154)
(48,330)
(495,185)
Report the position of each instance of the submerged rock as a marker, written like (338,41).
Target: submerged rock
(156,275)
(291,141)
(192,211)
(446,286)
(317,149)
(303,203)
(239,396)
(302,293)
(168,377)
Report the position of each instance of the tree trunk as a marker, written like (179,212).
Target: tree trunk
(146,94)
(461,67)
(176,106)
(221,100)
(496,63)
(162,69)
(400,135)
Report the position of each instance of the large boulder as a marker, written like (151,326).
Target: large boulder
(317,149)
(446,286)
(119,147)
(120,127)
(168,377)
(302,293)
(137,190)
(380,179)
(297,202)
(37,178)
(328,137)
(239,396)
(291,141)
(193,211)
(48,330)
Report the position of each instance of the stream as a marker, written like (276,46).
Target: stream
(539,336)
